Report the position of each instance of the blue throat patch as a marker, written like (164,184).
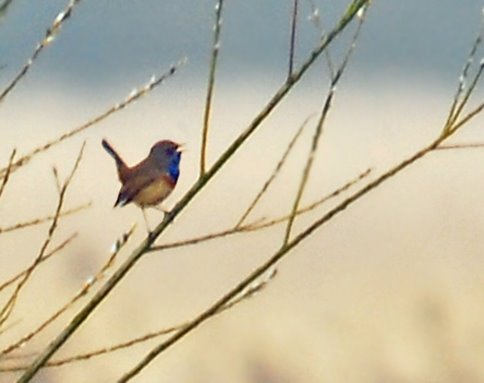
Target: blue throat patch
(174,167)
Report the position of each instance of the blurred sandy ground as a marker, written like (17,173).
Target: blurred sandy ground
(390,291)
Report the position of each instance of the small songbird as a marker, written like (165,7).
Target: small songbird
(149,182)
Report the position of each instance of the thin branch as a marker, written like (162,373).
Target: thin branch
(4,7)
(38,221)
(275,172)
(250,292)
(286,248)
(49,37)
(453,123)
(460,99)
(259,224)
(22,356)
(200,239)
(189,195)
(315,17)
(272,261)
(469,116)
(315,204)
(319,129)
(7,172)
(53,252)
(90,282)
(57,180)
(292,39)
(9,305)
(472,145)
(467,95)
(211,82)
(11,325)
(133,96)
(101,351)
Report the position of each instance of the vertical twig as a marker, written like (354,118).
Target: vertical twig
(457,106)
(4,7)
(7,171)
(118,245)
(465,98)
(292,39)
(9,305)
(316,19)
(210,86)
(274,173)
(319,130)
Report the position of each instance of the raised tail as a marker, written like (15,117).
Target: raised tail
(121,166)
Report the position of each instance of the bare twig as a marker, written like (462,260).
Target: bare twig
(9,305)
(199,239)
(11,325)
(4,7)
(319,130)
(315,17)
(466,97)
(469,116)
(189,195)
(57,180)
(38,221)
(133,96)
(472,145)
(49,37)
(90,282)
(101,351)
(314,205)
(274,259)
(292,39)
(259,224)
(7,172)
(211,83)
(290,245)
(51,253)
(250,292)
(461,98)
(274,174)
(22,356)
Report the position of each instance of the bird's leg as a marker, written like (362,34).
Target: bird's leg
(146,221)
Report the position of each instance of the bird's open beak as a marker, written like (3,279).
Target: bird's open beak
(181,147)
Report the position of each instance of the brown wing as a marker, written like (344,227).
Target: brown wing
(132,187)
(146,185)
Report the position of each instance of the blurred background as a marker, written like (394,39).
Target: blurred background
(389,291)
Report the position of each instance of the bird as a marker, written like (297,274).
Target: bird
(152,180)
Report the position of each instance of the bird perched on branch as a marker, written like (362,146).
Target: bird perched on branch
(152,180)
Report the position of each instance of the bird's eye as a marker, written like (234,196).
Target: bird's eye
(170,151)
